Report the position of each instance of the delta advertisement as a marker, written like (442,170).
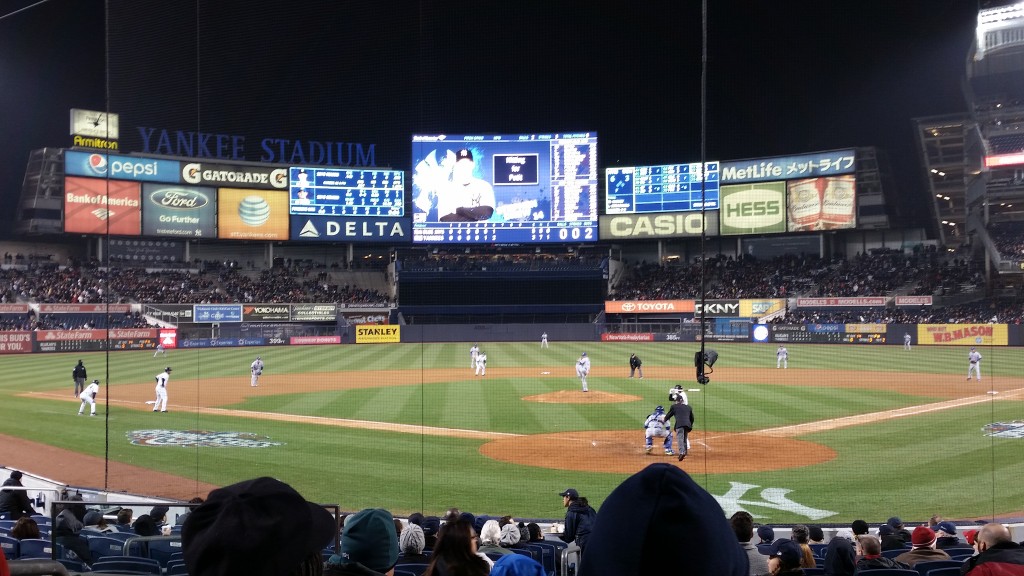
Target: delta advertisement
(752,208)
(93,206)
(827,203)
(962,334)
(181,211)
(664,225)
(356,229)
(246,214)
(370,334)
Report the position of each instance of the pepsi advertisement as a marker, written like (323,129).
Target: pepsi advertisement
(95,165)
(179,211)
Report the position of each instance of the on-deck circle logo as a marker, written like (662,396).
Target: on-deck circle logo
(1014,429)
(97,164)
(204,438)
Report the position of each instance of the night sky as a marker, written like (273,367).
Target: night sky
(783,77)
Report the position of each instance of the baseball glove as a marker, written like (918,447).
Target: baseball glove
(93,395)
(259,372)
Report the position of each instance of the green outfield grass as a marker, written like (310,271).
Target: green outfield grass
(914,466)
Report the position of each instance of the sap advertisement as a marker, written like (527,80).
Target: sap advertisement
(828,203)
(753,208)
(789,167)
(252,214)
(94,165)
(94,206)
(355,229)
(180,211)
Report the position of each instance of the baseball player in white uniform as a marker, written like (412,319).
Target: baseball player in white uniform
(782,357)
(654,426)
(974,363)
(678,392)
(481,364)
(544,340)
(88,396)
(906,340)
(257,370)
(161,390)
(473,351)
(159,349)
(582,369)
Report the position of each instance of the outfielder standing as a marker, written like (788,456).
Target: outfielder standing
(582,369)
(257,370)
(473,351)
(635,366)
(88,396)
(655,426)
(684,423)
(974,363)
(544,340)
(906,340)
(481,364)
(79,376)
(782,357)
(161,390)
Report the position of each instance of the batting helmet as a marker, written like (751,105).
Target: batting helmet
(659,409)
(96,381)
(584,354)
(168,369)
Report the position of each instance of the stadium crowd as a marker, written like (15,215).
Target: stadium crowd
(1008,238)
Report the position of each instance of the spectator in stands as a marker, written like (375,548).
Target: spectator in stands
(816,534)
(159,515)
(145,526)
(456,552)
(536,534)
(840,558)
(660,519)
(517,565)
(124,520)
(923,540)
(899,529)
(869,549)
(67,529)
(579,519)
(431,525)
(25,527)
(945,536)
(889,539)
(369,545)
(859,528)
(259,527)
(801,535)
(490,539)
(742,524)
(510,536)
(192,505)
(15,504)
(784,557)
(410,546)
(766,535)
(997,553)
(95,522)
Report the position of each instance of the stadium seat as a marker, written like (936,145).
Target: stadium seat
(161,550)
(400,572)
(525,552)
(818,549)
(814,571)
(11,547)
(924,567)
(547,556)
(73,565)
(414,569)
(103,546)
(127,564)
(893,553)
(947,571)
(177,569)
(958,551)
(893,572)
(7,524)
(39,548)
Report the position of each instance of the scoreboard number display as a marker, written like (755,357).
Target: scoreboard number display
(346,192)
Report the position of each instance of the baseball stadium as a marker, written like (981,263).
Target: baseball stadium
(502,319)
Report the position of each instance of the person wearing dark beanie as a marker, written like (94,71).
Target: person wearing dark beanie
(859,528)
(660,520)
(369,545)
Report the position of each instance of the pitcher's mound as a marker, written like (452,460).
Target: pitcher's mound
(581,397)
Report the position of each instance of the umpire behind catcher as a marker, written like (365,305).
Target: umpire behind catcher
(684,421)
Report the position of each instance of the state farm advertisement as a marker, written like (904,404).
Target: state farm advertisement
(648,306)
(15,342)
(93,206)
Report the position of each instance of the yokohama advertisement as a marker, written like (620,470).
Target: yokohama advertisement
(15,342)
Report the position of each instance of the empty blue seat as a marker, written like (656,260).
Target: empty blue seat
(39,548)
(127,564)
(103,546)
(924,567)
(11,547)
(162,550)
(948,571)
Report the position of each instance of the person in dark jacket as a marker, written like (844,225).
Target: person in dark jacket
(579,518)
(945,536)
(635,366)
(79,375)
(889,539)
(784,557)
(840,559)
(870,551)
(15,503)
(997,554)
(900,529)
(66,530)
(683,425)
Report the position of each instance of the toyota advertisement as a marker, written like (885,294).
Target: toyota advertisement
(94,206)
(246,214)
(180,211)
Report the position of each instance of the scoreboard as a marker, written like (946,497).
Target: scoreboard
(346,192)
(667,188)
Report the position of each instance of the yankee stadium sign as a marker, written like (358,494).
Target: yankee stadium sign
(194,144)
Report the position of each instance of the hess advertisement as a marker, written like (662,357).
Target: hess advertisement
(93,206)
(183,211)
(753,208)
(252,214)
(827,203)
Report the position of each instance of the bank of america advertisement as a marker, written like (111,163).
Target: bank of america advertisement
(94,206)
(827,203)
(179,211)
(752,208)
(245,214)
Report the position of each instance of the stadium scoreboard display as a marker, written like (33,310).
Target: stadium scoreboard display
(346,192)
(668,188)
(510,189)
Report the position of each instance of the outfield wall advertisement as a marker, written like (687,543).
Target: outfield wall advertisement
(370,334)
(963,334)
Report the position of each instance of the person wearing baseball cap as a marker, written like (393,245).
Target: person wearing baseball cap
(259,527)
(469,198)
(579,518)
(945,536)
(784,558)
(923,540)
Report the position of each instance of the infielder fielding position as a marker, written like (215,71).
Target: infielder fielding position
(974,363)
(582,369)
(257,370)
(161,390)
(88,396)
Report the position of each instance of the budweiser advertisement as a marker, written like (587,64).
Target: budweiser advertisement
(15,342)
(648,306)
(94,206)
(826,203)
